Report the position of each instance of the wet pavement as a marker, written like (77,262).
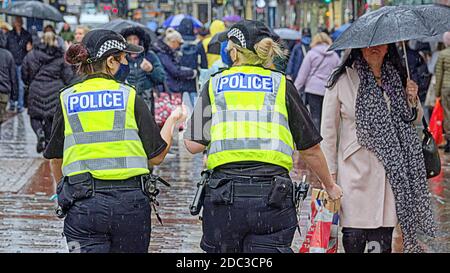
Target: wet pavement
(28,224)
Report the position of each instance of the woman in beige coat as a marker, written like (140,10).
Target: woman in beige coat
(373,152)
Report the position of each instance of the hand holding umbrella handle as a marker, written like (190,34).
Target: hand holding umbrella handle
(413,116)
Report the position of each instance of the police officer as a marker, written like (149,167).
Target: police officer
(103,142)
(251,119)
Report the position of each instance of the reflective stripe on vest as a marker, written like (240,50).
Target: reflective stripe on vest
(249,144)
(113,152)
(248,123)
(105,164)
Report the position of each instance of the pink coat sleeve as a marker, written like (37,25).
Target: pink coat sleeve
(330,127)
(303,73)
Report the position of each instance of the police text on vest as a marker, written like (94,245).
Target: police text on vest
(245,82)
(95,101)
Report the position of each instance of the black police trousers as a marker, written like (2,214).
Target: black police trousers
(113,220)
(248,224)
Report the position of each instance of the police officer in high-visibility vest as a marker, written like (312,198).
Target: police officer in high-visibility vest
(251,120)
(103,143)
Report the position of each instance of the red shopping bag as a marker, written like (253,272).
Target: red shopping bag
(322,235)
(165,103)
(436,122)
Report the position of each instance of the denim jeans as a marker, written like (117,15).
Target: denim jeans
(20,101)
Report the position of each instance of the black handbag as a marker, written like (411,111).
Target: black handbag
(430,152)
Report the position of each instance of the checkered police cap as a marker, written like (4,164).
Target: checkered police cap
(101,43)
(247,33)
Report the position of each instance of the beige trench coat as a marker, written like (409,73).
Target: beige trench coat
(368,200)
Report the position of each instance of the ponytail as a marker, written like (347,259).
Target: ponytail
(267,50)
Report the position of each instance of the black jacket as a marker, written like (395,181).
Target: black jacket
(8,80)
(17,44)
(45,73)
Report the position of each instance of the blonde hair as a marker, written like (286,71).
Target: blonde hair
(266,51)
(321,38)
(85,29)
(172,35)
(49,39)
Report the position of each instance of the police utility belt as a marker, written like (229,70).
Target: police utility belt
(280,191)
(82,186)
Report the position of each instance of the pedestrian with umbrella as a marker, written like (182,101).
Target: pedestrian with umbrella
(18,42)
(370,140)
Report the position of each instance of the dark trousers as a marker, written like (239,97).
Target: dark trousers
(377,240)
(42,127)
(113,220)
(315,108)
(248,225)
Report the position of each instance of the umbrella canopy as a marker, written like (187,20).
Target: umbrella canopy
(118,25)
(337,32)
(175,20)
(392,24)
(214,44)
(232,18)
(34,9)
(288,34)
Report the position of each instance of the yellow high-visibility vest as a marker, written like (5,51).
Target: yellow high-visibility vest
(101,134)
(249,118)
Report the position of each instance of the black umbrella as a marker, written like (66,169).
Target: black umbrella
(34,9)
(118,25)
(392,24)
(214,44)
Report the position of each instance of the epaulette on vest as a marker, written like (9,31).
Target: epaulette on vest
(220,71)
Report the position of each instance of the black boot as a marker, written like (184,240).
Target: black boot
(40,146)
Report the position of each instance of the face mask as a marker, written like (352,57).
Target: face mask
(122,74)
(225,54)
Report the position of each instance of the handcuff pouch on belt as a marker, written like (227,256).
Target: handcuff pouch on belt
(71,189)
(281,188)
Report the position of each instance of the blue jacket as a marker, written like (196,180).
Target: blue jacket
(295,60)
(175,72)
(194,55)
(141,79)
